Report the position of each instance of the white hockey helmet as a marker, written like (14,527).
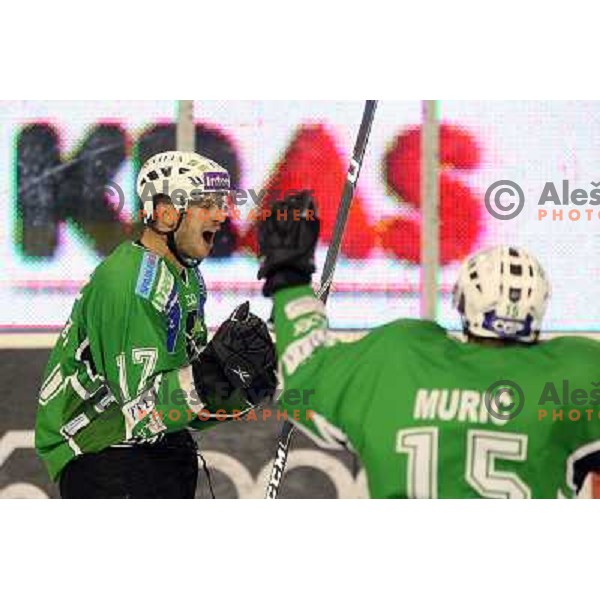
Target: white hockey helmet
(502,293)
(182,176)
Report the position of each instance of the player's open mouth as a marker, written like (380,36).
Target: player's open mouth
(209,237)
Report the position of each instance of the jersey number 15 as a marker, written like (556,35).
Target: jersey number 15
(483,448)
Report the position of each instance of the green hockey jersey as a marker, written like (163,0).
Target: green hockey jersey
(120,369)
(432,417)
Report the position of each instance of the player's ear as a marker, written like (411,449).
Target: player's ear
(166,214)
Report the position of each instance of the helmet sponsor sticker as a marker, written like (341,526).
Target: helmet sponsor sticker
(216,181)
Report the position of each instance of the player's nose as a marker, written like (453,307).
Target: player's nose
(220,215)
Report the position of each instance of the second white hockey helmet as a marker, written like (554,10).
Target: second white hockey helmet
(502,293)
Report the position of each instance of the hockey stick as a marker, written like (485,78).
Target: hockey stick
(285,437)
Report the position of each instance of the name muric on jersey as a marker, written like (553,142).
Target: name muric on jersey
(466,406)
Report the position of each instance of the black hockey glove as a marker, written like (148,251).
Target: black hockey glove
(240,356)
(287,241)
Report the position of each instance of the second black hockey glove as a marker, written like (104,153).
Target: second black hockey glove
(287,240)
(240,356)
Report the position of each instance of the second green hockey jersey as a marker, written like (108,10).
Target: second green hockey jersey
(411,401)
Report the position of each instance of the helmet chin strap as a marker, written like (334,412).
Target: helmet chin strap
(186,261)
